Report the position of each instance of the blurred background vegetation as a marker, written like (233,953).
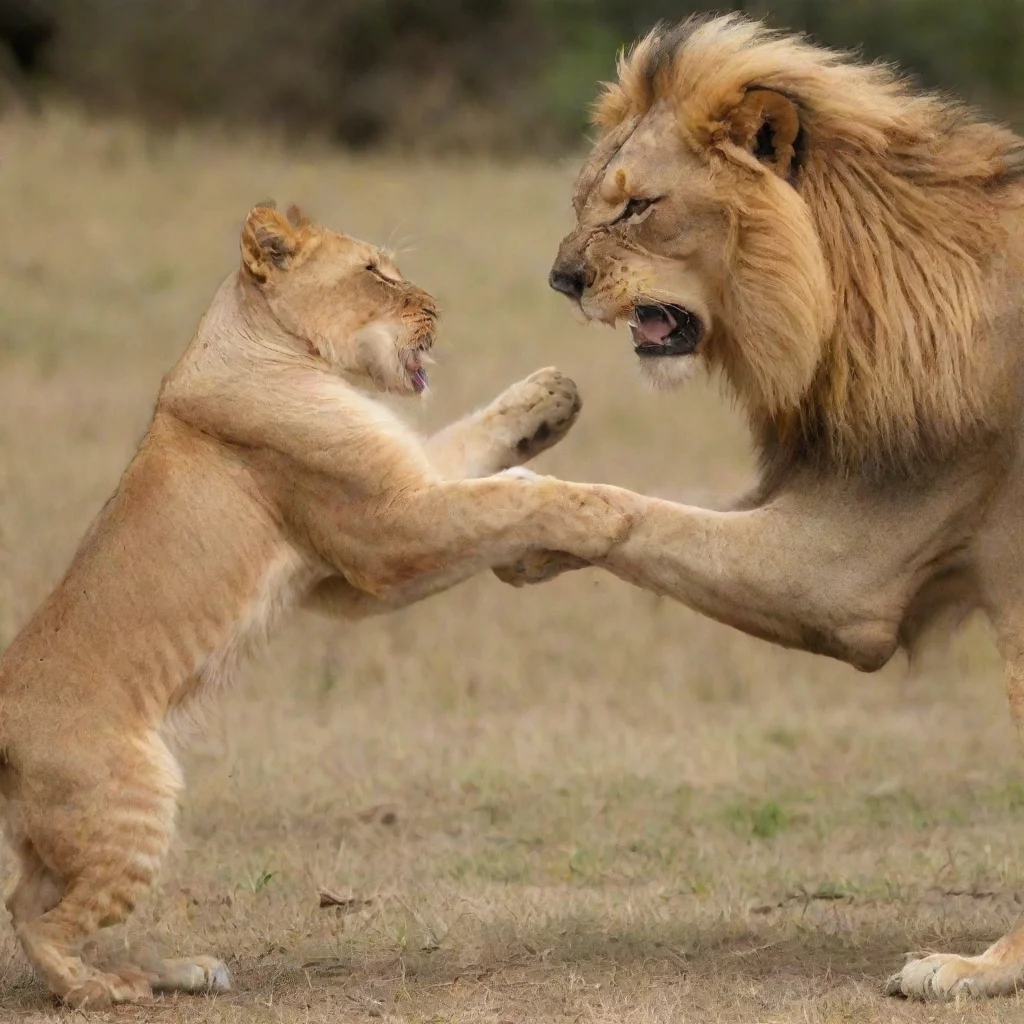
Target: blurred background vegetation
(504,76)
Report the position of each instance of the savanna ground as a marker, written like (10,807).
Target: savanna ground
(575,803)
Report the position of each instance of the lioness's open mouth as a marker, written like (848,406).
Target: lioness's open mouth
(414,368)
(664,330)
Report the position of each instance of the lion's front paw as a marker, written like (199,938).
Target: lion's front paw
(535,414)
(539,567)
(946,975)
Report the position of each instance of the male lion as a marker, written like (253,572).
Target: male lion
(265,480)
(848,254)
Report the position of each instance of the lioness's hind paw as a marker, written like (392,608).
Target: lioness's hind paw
(97,989)
(198,974)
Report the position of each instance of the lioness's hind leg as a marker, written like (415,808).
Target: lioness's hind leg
(104,826)
(526,419)
(95,899)
(37,890)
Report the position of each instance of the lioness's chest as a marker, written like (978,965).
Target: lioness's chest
(276,590)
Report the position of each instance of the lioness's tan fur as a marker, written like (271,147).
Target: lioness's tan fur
(266,480)
(854,252)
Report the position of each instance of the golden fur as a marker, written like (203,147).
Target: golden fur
(267,479)
(849,255)
(905,195)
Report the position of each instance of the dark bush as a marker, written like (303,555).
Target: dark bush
(27,28)
(501,75)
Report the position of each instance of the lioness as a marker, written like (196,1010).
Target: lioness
(266,479)
(848,254)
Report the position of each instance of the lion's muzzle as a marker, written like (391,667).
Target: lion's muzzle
(571,277)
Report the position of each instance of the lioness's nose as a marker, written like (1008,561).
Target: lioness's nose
(569,279)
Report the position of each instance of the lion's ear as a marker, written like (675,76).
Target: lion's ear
(270,239)
(767,124)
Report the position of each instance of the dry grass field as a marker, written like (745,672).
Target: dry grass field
(575,803)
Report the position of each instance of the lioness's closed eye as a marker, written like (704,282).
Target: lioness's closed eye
(346,299)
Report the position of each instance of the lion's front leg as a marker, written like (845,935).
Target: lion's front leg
(817,574)
(524,420)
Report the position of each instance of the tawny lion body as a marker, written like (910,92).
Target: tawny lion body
(848,255)
(265,481)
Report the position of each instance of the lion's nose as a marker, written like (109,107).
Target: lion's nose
(569,279)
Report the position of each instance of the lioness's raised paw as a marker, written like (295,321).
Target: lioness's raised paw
(533,414)
(524,420)
(942,976)
(538,567)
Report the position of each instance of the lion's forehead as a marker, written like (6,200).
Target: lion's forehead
(645,153)
(604,152)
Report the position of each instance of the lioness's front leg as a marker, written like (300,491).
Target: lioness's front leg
(524,420)
(439,534)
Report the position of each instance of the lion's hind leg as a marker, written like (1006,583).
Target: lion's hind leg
(999,971)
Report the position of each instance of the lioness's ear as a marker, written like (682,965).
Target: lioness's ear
(297,218)
(269,239)
(767,124)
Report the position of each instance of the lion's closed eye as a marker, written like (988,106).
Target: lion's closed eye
(636,210)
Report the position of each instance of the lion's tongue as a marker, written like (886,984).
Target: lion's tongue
(654,326)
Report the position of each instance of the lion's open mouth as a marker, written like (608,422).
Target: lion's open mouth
(664,330)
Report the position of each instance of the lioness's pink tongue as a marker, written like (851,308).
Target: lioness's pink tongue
(654,328)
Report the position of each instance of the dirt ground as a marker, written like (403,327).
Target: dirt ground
(576,803)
